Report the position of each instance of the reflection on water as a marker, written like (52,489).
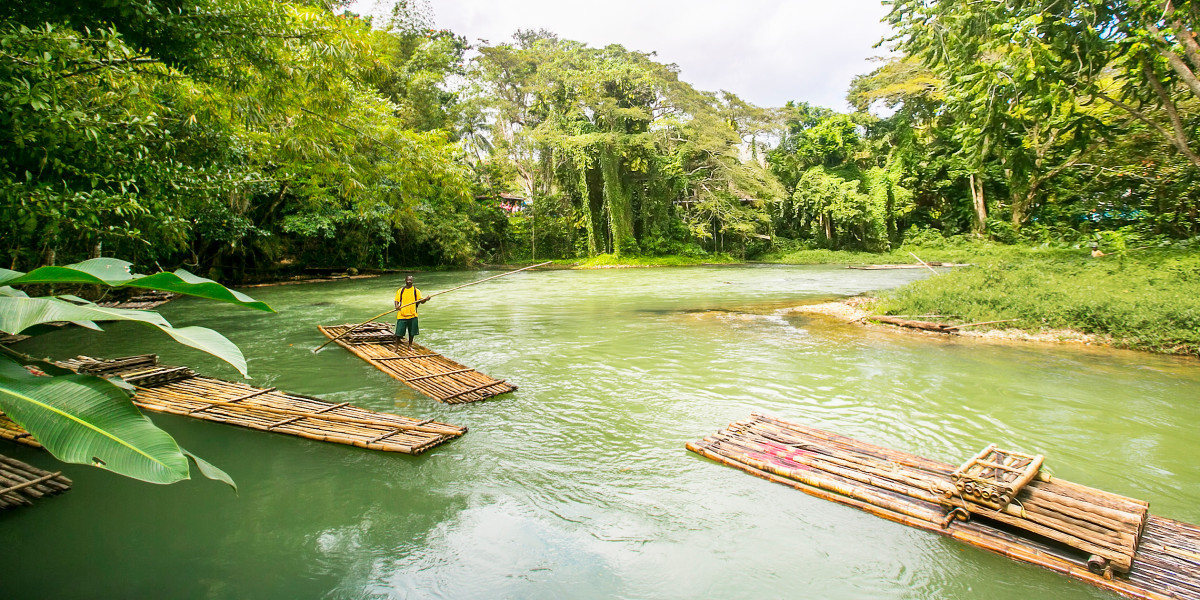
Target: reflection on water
(578,484)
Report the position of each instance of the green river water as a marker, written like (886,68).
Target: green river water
(578,484)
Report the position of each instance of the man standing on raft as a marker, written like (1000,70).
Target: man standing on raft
(407,299)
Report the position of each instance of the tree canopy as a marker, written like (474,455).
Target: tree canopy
(243,138)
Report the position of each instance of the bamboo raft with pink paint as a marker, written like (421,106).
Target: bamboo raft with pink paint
(1001,501)
(180,391)
(418,367)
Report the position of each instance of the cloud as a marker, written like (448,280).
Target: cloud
(765,51)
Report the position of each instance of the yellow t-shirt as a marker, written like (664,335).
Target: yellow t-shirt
(404,296)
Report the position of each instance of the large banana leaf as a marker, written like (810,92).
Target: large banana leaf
(15,293)
(17,314)
(116,273)
(86,420)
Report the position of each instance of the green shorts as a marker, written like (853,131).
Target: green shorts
(409,325)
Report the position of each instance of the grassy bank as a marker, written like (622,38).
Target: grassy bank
(960,253)
(609,261)
(1146,300)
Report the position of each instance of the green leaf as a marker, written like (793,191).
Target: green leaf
(102,271)
(17,314)
(84,419)
(182,282)
(208,470)
(116,273)
(207,340)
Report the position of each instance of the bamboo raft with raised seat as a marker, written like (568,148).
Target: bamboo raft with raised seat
(21,483)
(180,391)
(418,367)
(1101,538)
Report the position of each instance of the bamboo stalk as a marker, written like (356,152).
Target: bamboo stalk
(238,399)
(474,389)
(924,263)
(980,323)
(33,482)
(422,377)
(1050,493)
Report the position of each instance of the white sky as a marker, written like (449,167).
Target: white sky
(765,51)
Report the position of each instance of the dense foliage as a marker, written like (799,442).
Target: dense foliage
(226,135)
(242,138)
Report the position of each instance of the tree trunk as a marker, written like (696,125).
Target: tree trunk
(1022,203)
(980,204)
(593,208)
(616,200)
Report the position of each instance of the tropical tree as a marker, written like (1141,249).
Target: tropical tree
(1039,86)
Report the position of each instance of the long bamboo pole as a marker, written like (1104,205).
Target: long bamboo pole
(925,263)
(382,314)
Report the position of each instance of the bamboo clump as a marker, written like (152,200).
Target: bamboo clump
(1164,559)
(21,484)
(418,367)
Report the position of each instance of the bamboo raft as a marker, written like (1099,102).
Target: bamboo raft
(8,339)
(180,391)
(21,484)
(148,300)
(15,433)
(1094,536)
(418,367)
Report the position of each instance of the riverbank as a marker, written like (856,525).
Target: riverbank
(609,261)
(859,310)
(1146,300)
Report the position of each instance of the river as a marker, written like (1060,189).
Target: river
(578,484)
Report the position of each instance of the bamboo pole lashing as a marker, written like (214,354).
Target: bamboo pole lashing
(238,399)
(432,375)
(474,389)
(329,408)
(384,436)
